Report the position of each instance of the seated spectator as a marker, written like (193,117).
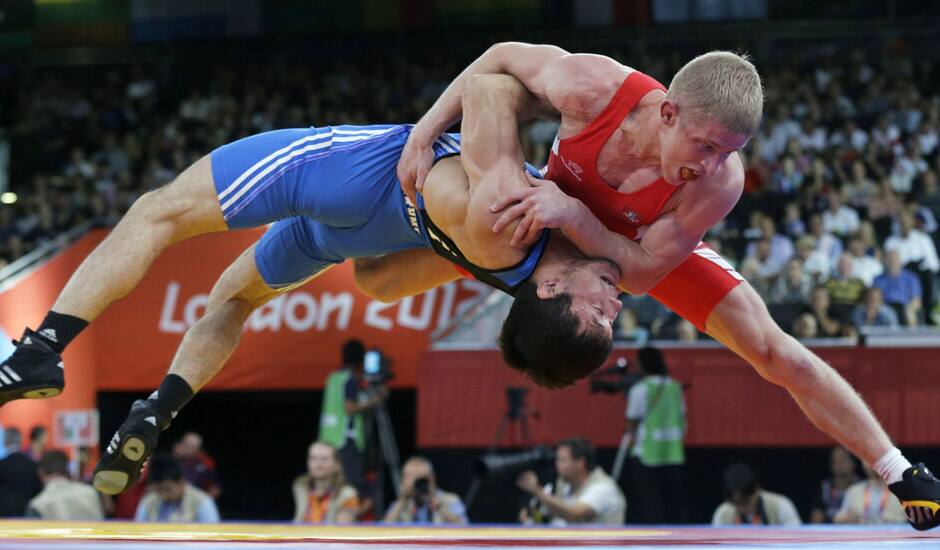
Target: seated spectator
(61,498)
(172,498)
(826,242)
(827,319)
(781,247)
(918,253)
(864,266)
(831,493)
(19,477)
(628,330)
(900,287)
(198,467)
(793,224)
(844,289)
(686,331)
(583,493)
(421,501)
(805,327)
(38,439)
(792,286)
(760,267)
(870,502)
(873,312)
(839,219)
(860,190)
(815,262)
(322,495)
(747,504)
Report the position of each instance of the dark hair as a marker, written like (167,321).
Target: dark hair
(544,340)
(12,437)
(740,479)
(651,361)
(164,467)
(354,353)
(54,462)
(36,433)
(580,448)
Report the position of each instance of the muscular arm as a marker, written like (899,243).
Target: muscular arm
(668,241)
(407,273)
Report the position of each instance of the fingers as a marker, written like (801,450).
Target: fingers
(509,215)
(535,231)
(516,195)
(422,174)
(519,236)
(533,181)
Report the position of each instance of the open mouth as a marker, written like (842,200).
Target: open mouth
(687,174)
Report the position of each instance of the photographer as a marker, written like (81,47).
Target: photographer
(346,398)
(583,493)
(420,500)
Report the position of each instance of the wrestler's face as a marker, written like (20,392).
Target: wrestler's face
(690,148)
(595,298)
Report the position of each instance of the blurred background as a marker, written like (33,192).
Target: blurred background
(103,100)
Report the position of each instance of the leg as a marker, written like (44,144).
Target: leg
(184,208)
(741,322)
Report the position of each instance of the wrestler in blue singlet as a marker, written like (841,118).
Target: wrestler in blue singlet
(334,194)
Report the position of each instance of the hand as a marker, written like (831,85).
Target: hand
(541,206)
(528,482)
(413,166)
(406,489)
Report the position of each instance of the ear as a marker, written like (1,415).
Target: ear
(669,112)
(547,288)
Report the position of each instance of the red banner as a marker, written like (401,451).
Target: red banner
(462,400)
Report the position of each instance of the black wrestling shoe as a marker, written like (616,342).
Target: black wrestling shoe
(120,465)
(919,493)
(34,371)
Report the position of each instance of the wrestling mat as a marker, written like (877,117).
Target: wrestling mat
(43,535)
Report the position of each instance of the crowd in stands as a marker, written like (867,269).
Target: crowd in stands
(842,177)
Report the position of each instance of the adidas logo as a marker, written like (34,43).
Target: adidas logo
(113,445)
(61,365)
(50,334)
(8,376)
(151,419)
(27,341)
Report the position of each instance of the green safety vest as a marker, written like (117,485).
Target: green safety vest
(663,425)
(333,417)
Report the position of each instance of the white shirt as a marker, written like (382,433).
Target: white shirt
(841,222)
(916,247)
(600,492)
(866,268)
(779,509)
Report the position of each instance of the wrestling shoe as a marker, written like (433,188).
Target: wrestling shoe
(919,493)
(121,463)
(34,371)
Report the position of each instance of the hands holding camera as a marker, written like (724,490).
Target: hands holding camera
(529,482)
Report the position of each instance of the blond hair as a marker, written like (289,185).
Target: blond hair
(721,86)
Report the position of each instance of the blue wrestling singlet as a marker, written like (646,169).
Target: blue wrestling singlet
(333,193)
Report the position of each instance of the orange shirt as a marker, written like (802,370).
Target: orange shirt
(319,506)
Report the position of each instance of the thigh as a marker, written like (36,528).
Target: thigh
(189,202)
(742,323)
(696,286)
(287,256)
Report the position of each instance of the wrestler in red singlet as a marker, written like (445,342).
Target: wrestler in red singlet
(696,285)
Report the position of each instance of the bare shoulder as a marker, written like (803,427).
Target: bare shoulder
(583,83)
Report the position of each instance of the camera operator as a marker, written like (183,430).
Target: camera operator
(421,501)
(656,424)
(346,397)
(582,493)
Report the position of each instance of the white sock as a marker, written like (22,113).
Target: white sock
(891,466)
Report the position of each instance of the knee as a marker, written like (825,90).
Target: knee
(782,360)
(159,206)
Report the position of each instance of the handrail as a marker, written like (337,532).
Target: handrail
(26,264)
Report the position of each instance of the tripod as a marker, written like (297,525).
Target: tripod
(517,414)
(388,451)
(622,450)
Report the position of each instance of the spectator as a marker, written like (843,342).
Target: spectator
(172,498)
(781,247)
(805,327)
(793,286)
(198,467)
(686,331)
(914,246)
(816,263)
(19,477)
(628,330)
(582,493)
(322,495)
(344,406)
(793,225)
(844,288)
(826,242)
(61,498)
(760,267)
(870,502)
(831,493)
(38,439)
(839,219)
(827,319)
(747,504)
(900,288)
(421,501)
(873,312)
(860,190)
(864,266)
(656,422)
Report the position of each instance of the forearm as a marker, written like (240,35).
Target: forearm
(558,508)
(393,514)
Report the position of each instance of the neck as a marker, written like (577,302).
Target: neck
(321,486)
(637,139)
